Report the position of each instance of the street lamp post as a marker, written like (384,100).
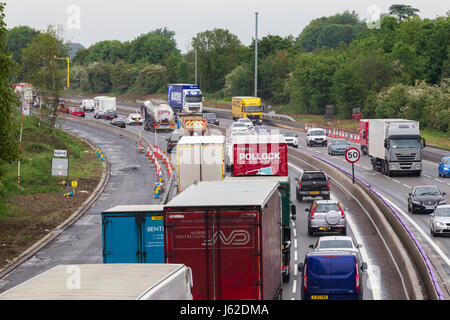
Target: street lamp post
(68,69)
(256,54)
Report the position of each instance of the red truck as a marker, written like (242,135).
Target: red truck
(260,155)
(232,243)
(364,135)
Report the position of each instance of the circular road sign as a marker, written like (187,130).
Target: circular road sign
(352,155)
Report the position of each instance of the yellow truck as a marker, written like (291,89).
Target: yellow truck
(247,107)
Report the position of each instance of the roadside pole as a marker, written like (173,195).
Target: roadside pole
(352,155)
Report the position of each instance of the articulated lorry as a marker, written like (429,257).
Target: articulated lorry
(199,158)
(247,107)
(157,117)
(185,97)
(232,243)
(107,282)
(102,104)
(266,156)
(133,234)
(395,146)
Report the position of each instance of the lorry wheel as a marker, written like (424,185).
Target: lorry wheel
(310,232)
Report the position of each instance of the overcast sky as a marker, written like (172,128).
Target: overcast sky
(90,21)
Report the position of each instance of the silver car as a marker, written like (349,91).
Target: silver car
(326,216)
(337,243)
(440,220)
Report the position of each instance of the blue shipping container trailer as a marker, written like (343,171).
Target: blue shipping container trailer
(133,234)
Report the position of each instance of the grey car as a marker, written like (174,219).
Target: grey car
(440,220)
(326,216)
(338,146)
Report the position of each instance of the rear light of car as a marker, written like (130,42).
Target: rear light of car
(342,211)
(299,185)
(357,277)
(305,279)
(312,211)
(328,185)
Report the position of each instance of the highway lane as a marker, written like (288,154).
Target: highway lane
(395,189)
(130,182)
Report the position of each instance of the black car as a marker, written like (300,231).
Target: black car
(172,140)
(211,118)
(425,199)
(312,184)
(119,122)
(110,114)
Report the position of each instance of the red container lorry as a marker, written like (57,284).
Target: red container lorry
(364,135)
(229,233)
(260,155)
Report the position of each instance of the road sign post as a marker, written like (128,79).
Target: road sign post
(352,155)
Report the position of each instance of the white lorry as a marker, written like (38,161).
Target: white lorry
(200,158)
(102,104)
(130,281)
(87,105)
(395,146)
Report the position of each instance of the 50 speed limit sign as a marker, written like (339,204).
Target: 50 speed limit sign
(352,155)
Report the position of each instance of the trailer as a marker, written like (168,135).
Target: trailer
(157,117)
(133,234)
(364,135)
(200,158)
(107,282)
(102,104)
(228,233)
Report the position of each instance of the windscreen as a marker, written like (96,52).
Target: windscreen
(443,212)
(405,143)
(340,142)
(329,244)
(313,176)
(193,98)
(446,161)
(253,109)
(326,207)
(317,133)
(427,191)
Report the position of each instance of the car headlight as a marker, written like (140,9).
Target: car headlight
(416,202)
(440,224)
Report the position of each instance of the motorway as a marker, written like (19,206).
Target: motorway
(132,174)
(130,182)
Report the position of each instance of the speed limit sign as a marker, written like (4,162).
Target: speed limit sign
(352,155)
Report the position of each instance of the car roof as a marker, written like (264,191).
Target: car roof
(332,252)
(324,238)
(326,201)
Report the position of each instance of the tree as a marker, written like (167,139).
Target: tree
(402,11)
(218,54)
(152,47)
(42,69)
(18,38)
(8,146)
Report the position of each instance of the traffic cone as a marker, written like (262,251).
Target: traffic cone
(357,139)
(306,127)
(329,133)
(351,137)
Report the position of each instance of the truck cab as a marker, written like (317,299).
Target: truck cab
(185,97)
(247,107)
(192,100)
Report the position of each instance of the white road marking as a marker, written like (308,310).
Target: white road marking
(295,243)
(438,180)
(372,277)
(425,175)
(422,232)
(294,287)
(295,232)
(295,255)
(367,168)
(405,185)
(396,181)
(295,269)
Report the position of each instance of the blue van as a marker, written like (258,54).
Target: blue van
(332,275)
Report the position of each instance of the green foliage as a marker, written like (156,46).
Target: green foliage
(8,100)
(403,11)
(18,38)
(330,32)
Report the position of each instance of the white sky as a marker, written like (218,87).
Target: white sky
(125,20)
